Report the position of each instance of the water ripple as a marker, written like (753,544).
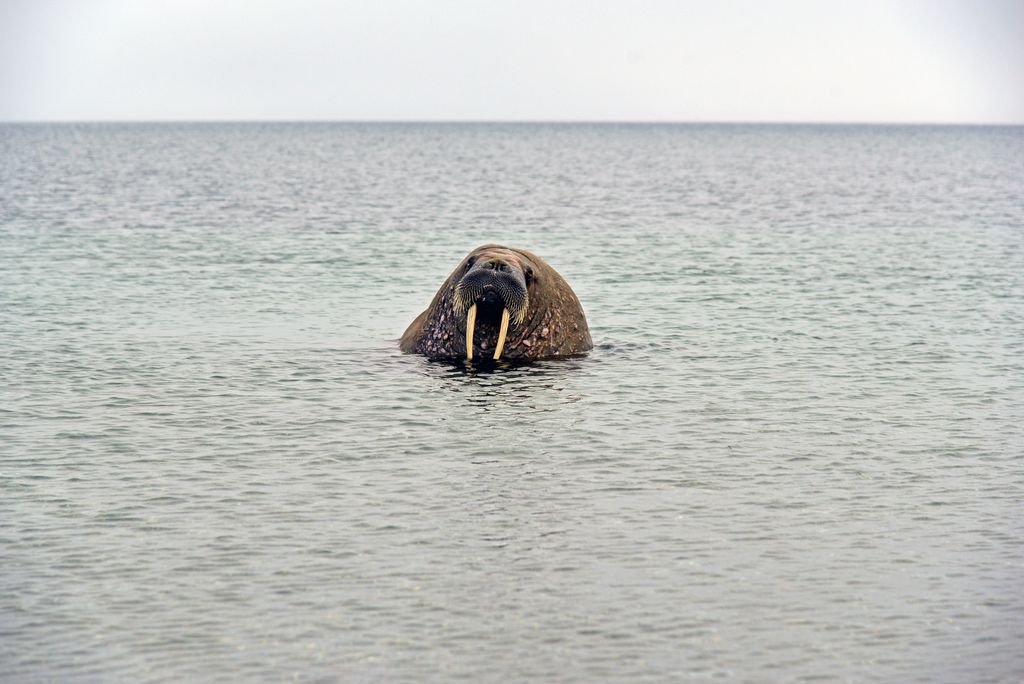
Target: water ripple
(794,453)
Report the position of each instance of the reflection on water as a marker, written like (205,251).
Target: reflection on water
(505,387)
(792,454)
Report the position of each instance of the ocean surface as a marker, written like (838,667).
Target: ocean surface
(796,452)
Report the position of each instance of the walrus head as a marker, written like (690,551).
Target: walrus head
(495,286)
(500,303)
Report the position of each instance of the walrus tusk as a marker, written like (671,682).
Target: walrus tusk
(470,325)
(501,334)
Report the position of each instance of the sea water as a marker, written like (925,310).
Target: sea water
(795,453)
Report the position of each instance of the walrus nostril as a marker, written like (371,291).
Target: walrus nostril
(495,266)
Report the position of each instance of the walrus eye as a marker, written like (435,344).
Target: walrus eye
(529,274)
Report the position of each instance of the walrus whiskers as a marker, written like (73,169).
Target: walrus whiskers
(501,334)
(470,325)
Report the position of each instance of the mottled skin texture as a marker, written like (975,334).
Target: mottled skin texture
(554,325)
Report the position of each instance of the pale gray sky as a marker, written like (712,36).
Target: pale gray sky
(657,60)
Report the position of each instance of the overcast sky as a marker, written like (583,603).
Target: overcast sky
(792,60)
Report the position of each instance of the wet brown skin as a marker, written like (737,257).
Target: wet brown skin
(554,324)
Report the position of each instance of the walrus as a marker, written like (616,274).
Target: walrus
(500,303)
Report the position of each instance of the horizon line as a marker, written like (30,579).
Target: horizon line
(569,122)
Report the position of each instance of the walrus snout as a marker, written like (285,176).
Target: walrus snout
(495,284)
